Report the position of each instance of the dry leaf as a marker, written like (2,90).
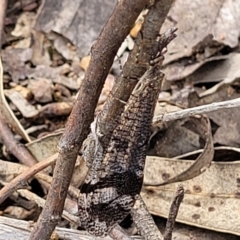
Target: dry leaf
(85,62)
(211,199)
(197,19)
(25,92)
(56,109)
(41,90)
(202,126)
(56,75)
(40,54)
(23,29)
(26,109)
(19,229)
(14,62)
(89,23)
(228,129)
(47,146)
(186,232)
(63,46)
(44,147)
(204,70)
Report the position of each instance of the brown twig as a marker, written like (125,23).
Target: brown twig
(40,202)
(24,174)
(173,213)
(77,128)
(21,180)
(17,149)
(197,110)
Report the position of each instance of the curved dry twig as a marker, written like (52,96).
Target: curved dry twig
(197,110)
(202,126)
(21,180)
(173,212)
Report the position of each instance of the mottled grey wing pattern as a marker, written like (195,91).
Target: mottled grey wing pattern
(107,195)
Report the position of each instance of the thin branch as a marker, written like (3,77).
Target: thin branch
(17,149)
(77,128)
(197,110)
(25,173)
(21,180)
(185,155)
(173,213)
(40,202)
